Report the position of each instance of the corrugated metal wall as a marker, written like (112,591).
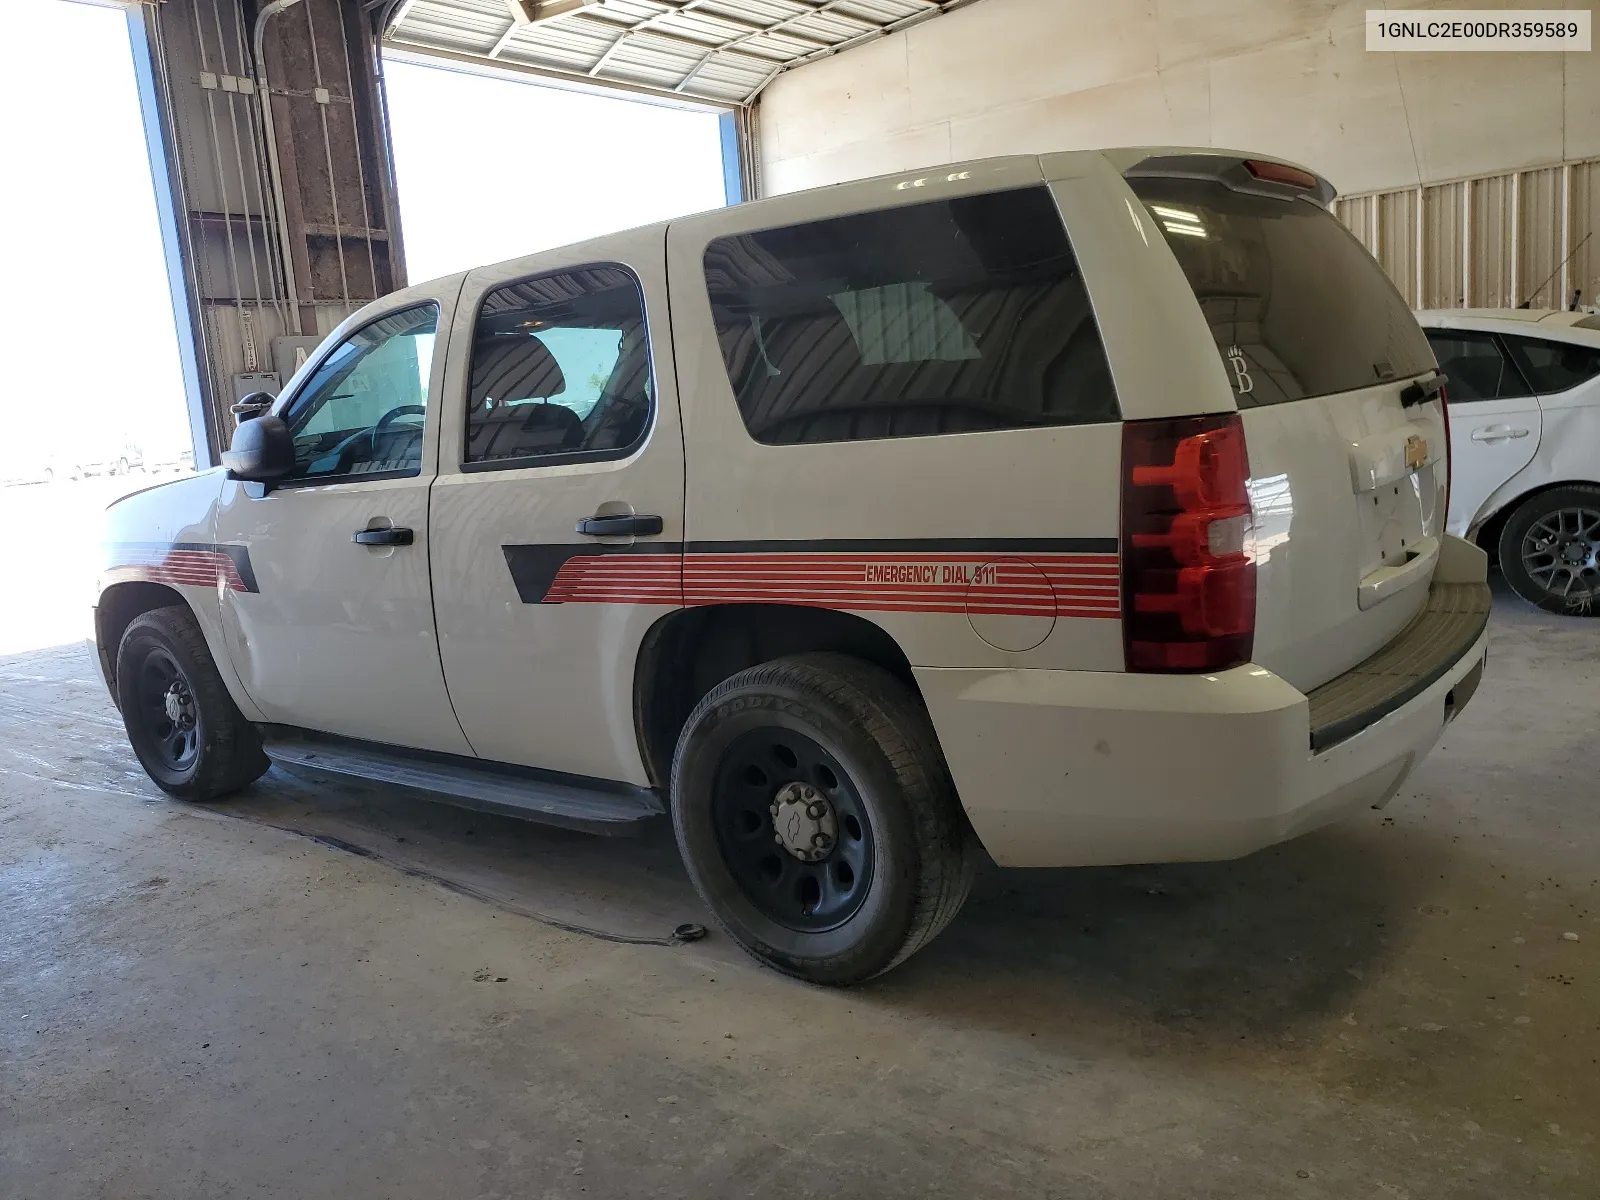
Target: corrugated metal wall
(1492,241)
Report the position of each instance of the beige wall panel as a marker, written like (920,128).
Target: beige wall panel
(1003,52)
(1441,246)
(1191,31)
(919,148)
(854,97)
(1290,77)
(1539,238)
(1584,270)
(1172,108)
(1471,114)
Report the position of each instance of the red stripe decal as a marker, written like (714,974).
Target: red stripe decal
(1044,585)
(180,568)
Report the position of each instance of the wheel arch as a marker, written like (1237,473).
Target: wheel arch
(1486,534)
(116,609)
(690,650)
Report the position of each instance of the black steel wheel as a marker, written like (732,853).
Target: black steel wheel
(1550,550)
(816,817)
(792,829)
(189,735)
(167,710)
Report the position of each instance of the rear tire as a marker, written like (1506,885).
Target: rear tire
(1550,550)
(190,737)
(877,856)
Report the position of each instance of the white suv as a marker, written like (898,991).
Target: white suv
(1087,508)
(1524,389)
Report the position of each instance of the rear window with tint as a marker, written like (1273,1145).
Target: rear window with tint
(947,317)
(1297,305)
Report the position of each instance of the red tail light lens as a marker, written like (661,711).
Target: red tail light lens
(1188,581)
(1280,173)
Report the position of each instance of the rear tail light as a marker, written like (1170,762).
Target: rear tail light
(1188,579)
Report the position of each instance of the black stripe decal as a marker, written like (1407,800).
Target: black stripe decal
(534,568)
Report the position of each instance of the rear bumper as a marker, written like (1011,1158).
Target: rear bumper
(1064,768)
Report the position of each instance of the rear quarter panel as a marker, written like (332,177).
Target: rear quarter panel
(878,517)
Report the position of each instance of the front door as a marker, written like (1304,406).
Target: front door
(1495,420)
(557,520)
(334,630)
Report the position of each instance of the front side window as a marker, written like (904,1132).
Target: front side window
(949,317)
(1475,367)
(361,414)
(560,370)
(1554,366)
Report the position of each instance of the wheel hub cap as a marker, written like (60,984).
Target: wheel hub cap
(804,821)
(179,705)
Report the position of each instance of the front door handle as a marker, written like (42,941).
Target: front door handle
(622,526)
(1497,433)
(395,536)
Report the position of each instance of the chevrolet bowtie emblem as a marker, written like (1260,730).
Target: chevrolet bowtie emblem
(1416,452)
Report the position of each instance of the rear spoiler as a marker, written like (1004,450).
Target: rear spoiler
(1250,176)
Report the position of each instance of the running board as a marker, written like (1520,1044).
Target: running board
(589,805)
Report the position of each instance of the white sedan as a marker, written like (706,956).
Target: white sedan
(1524,388)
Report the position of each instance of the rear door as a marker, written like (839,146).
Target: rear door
(1495,419)
(1348,478)
(557,515)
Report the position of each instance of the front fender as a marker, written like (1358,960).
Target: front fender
(158,543)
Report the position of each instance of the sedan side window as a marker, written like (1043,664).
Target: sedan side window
(361,414)
(1555,366)
(1476,367)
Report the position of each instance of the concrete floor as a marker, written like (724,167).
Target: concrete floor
(203,1003)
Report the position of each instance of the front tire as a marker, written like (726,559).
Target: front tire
(817,818)
(190,737)
(1550,550)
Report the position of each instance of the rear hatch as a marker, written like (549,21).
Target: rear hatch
(1336,386)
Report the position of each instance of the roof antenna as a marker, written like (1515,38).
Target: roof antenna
(1528,303)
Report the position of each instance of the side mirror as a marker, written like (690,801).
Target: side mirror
(262,451)
(251,406)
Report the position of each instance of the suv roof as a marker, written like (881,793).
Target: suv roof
(1047,165)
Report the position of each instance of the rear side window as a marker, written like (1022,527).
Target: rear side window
(948,317)
(1297,305)
(1475,366)
(560,370)
(1554,366)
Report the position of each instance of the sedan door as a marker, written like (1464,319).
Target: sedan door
(1495,421)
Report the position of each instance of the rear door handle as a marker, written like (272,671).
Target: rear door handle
(622,526)
(1497,433)
(396,536)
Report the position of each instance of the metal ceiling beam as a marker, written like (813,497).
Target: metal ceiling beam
(759,50)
